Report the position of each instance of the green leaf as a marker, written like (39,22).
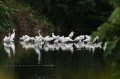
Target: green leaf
(116,3)
(115,17)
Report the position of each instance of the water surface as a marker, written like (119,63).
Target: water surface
(30,61)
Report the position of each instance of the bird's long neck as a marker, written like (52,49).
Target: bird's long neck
(13,30)
(52,34)
(9,35)
(39,32)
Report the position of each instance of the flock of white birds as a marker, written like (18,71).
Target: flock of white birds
(52,43)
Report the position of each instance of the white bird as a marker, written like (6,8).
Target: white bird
(79,38)
(32,39)
(27,39)
(7,38)
(24,37)
(39,38)
(56,41)
(88,38)
(95,39)
(39,32)
(48,39)
(63,39)
(12,35)
(55,38)
(71,34)
(105,46)
(68,39)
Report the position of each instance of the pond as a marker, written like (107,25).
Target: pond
(56,61)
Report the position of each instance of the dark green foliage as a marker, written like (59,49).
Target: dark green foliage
(116,3)
(82,16)
(104,31)
(18,14)
(110,31)
(115,17)
(6,20)
(76,15)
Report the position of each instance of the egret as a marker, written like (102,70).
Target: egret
(24,37)
(79,38)
(88,38)
(56,41)
(65,39)
(55,37)
(39,32)
(7,38)
(32,39)
(61,38)
(105,46)
(68,39)
(48,39)
(38,38)
(27,39)
(71,34)
(12,35)
(95,39)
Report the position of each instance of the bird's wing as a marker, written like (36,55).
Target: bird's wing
(12,36)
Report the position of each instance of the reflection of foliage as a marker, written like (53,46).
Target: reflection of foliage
(2,58)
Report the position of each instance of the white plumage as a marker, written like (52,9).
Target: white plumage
(7,38)
(88,38)
(12,35)
(71,34)
(79,38)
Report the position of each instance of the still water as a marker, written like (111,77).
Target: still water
(56,61)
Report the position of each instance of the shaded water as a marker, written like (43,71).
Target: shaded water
(35,63)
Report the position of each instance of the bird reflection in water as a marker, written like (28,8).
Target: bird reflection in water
(46,46)
(36,46)
(37,50)
(9,48)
